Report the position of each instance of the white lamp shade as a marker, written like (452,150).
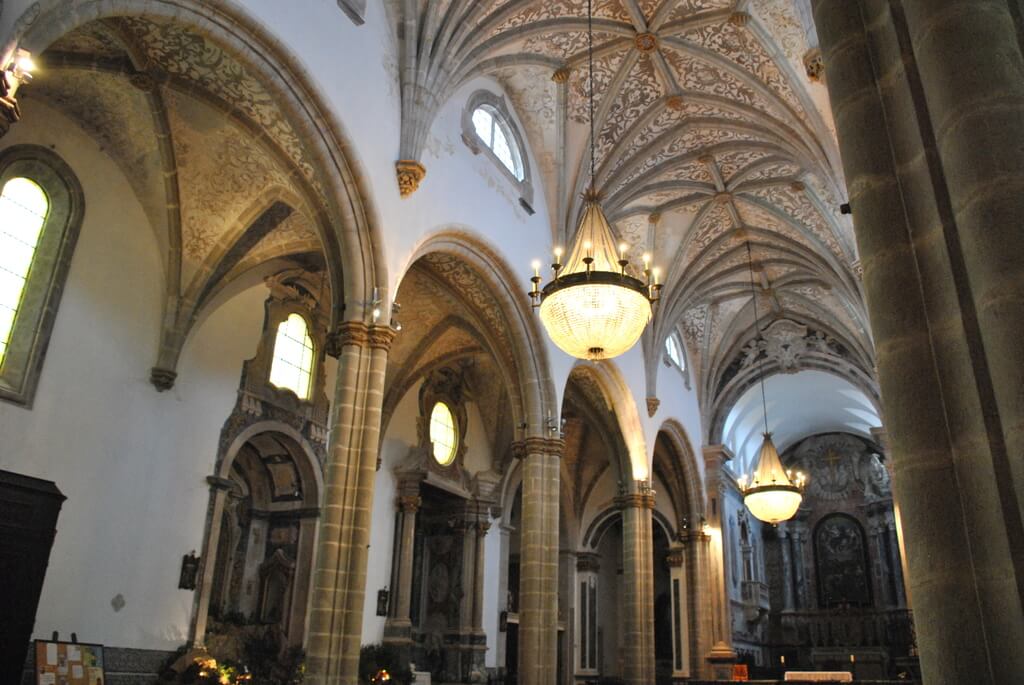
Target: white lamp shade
(595,320)
(772,496)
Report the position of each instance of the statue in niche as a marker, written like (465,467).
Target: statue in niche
(842,563)
(875,478)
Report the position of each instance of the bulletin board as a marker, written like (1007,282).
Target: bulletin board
(69,663)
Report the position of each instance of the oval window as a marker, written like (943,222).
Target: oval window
(443,435)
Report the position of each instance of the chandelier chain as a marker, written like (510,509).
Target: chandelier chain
(757,339)
(590,60)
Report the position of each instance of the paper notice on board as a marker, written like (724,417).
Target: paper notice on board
(74,653)
(51,654)
(76,672)
(48,678)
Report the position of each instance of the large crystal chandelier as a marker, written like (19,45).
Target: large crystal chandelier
(593,308)
(774,493)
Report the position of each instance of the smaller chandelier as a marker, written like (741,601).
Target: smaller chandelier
(774,494)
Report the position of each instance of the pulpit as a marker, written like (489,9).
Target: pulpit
(28,523)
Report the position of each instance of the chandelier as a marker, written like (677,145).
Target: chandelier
(774,493)
(594,308)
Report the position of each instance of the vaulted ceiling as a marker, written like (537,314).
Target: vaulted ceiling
(223,177)
(710,134)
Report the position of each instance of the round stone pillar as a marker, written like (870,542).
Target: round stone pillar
(637,642)
(927,95)
(339,585)
(538,561)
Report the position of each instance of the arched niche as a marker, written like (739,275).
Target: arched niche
(257,562)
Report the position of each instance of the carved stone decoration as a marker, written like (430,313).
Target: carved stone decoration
(646,42)
(839,465)
(162,379)
(814,65)
(410,173)
(652,406)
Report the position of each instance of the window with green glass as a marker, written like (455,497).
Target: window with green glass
(23,210)
(292,367)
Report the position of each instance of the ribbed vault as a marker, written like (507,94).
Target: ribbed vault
(710,134)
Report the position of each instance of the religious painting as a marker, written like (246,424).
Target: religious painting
(841,557)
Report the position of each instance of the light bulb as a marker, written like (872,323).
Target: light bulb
(536,267)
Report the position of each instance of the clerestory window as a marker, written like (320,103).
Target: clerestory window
(292,367)
(674,351)
(494,131)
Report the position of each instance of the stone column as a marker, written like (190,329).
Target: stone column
(637,642)
(482,527)
(506,532)
(698,593)
(299,619)
(219,488)
(721,656)
(567,612)
(339,586)
(799,535)
(538,561)
(927,96)
(398,627)
(588,565)
(788,572)
(680,615)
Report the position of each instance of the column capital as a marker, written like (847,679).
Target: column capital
(359,334)
(537,445)
(638,500)
(716,455)
(408,503)
(676,558)
(588,562)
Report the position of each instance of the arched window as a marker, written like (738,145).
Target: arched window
(41,207)
(444,437)
(23,210)
(674,351)
(292,367)
(494,131)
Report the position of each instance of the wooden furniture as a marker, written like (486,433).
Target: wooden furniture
(28,523)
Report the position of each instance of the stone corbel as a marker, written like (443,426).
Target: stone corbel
(162,379)
(410,173)
(814,65)
(652,406)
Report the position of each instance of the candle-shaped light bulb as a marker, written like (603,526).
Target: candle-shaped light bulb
(655,272)
(622,250)
(536,267)
(558,255)
(647,260)
(782,659)
(588,246)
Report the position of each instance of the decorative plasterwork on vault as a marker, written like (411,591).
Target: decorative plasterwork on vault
(705,116)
